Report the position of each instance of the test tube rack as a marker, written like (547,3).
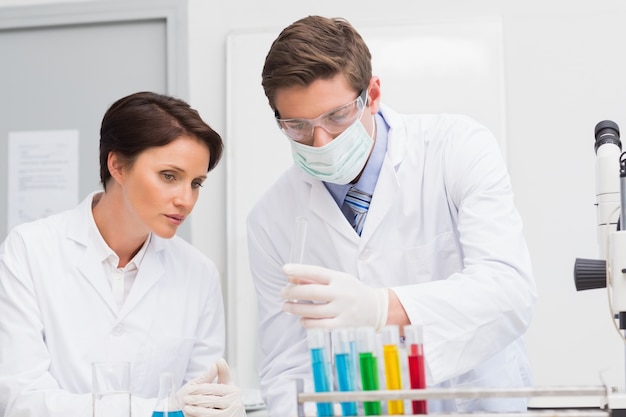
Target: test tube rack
(598,392)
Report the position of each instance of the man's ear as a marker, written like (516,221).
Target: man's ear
(373,96)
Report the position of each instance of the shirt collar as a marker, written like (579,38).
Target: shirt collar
(104,252)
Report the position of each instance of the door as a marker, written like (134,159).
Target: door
(64,65)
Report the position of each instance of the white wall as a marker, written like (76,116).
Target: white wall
(564,72)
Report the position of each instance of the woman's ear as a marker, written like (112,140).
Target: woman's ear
(115,166)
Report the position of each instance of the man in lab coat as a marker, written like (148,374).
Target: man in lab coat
(441,244)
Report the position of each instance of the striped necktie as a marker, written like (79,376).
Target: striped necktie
(359,202)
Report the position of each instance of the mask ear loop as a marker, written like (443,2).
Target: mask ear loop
(367,104)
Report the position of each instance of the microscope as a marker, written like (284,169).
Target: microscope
(610,270)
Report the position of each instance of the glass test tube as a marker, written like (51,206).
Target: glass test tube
(297,248)
(320,362)
(368,364)
(342,341)
(393,373)
(354,353)
(417,372)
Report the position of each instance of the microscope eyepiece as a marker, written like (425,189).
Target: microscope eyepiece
(607,131)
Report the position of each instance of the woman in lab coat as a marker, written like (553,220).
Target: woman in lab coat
(110,281)
(441,246)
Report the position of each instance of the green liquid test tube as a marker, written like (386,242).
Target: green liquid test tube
(368,364)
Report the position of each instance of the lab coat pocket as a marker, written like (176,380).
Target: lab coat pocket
(501,371)
(169,353)
(435,260)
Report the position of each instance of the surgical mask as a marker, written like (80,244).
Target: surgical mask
(340,160)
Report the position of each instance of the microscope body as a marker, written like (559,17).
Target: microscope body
(610,270)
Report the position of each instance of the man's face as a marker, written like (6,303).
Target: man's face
(322,97)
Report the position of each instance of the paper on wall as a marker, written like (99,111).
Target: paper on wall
(42,175)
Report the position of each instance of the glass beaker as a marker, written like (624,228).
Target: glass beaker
(110,389)
(167,401)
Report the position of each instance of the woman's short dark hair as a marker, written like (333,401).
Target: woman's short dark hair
(145,120)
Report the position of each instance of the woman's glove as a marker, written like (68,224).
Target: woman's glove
(202,397)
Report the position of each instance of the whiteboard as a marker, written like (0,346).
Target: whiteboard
(453,66)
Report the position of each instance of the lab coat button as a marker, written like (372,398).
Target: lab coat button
(118,330)
(365,255)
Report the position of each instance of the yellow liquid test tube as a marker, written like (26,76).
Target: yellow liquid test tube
(393,373)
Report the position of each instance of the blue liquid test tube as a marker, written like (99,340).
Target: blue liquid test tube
(320,363)
(343,342)
(355,357)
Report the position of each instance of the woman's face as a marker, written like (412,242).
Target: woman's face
(162,186)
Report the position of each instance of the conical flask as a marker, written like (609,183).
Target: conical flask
(167,403)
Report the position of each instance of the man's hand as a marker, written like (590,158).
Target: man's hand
(338,299)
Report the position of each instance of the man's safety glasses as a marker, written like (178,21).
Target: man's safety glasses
(334,121)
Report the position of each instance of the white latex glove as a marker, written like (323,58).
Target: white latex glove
(338,299)
(202,397)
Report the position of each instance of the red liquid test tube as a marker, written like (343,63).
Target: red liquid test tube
(417,371)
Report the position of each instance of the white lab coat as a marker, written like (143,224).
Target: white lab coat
(442,231)
(58,315)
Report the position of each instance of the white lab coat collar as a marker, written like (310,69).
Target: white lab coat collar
(90,264)
(78,230)
(397,140)
(322,203)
